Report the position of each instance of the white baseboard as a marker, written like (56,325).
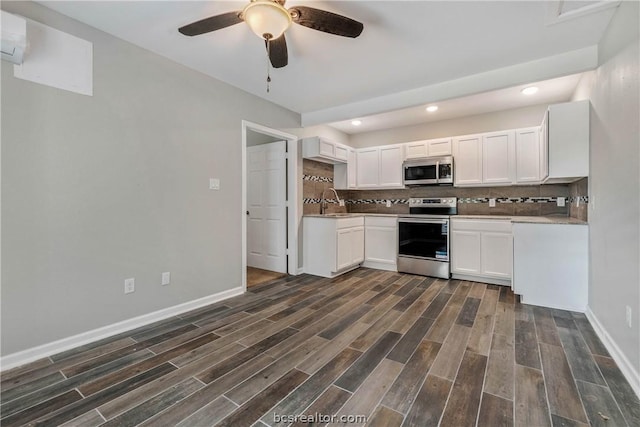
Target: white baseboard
(29,355)
(627,369)
(300,271)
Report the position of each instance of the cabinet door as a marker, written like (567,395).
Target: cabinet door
(416,150)
(367,165)
(497,254)
(465,252)
(498,158)
(391,166)
(439,147)
(327,148)
(344,248)
(341,152)
(381,244)
(544,147)
(357,245)
(527,155)
(351,170)
(467,159)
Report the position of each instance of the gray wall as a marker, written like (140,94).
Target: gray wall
(614,181)
(99,189)
(499,120)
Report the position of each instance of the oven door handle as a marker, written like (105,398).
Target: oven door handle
(423,220)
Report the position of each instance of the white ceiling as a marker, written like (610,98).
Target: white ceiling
(410,52)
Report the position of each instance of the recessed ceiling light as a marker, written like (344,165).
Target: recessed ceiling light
(432,108)
(356,122)
(529,90)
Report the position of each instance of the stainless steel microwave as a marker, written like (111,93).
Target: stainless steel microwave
(428,171)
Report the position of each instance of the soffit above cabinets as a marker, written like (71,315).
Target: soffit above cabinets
(550,92)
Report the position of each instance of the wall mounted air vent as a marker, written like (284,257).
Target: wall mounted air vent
(14,37)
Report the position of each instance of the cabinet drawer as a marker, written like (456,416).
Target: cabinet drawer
(499,225)
(381,221)
(350,222)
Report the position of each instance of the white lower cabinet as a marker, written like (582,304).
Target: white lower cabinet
(465,251)
(482,250)
(332,246)
(551,265)
(381,242)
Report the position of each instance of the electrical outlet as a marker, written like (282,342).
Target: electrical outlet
(628,316)
(492,203)
(214,184)
(166,278)
(129,285)
(560,201)
(388,203)
(341,202)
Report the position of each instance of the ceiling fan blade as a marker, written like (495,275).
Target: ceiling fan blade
(328,22)
(277,50)
(212,23)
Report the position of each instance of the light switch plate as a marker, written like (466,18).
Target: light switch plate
(214,184)
(129,285)
(166,278)
(492,203)
(560,201)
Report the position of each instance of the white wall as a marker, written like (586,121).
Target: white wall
(98,189)
(499,120)
(614,183)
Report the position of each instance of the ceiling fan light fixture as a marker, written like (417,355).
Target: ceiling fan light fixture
(266,18)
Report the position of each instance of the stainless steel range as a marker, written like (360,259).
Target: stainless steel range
(423,237)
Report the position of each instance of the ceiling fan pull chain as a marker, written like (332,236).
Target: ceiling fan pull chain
(268,43)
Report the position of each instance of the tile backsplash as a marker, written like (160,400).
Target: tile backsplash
(529,200)
(316,178)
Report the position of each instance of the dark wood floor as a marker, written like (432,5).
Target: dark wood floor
(399,349)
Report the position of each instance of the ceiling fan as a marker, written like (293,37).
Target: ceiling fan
(269,19)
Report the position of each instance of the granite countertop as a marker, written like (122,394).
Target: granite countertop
(512,218)
(349,215)
(528,219)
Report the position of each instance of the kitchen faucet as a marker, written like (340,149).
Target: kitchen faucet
(323,202)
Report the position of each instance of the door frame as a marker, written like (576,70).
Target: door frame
(294,198)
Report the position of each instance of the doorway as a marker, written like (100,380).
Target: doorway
(270,204)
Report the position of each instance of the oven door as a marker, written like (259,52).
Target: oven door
(420,174)
(423,238)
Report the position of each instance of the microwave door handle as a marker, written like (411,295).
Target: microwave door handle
(438,171)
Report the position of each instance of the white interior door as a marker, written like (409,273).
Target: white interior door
(266,204)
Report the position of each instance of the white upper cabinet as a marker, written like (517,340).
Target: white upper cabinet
(439,147)
(322,150)
(544,149)
(498,158)
(568,141)
(367,174)
(391,166)
(352,169)
(429,148)
(528,156)
(467,160)
(379,167)
(344,174)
